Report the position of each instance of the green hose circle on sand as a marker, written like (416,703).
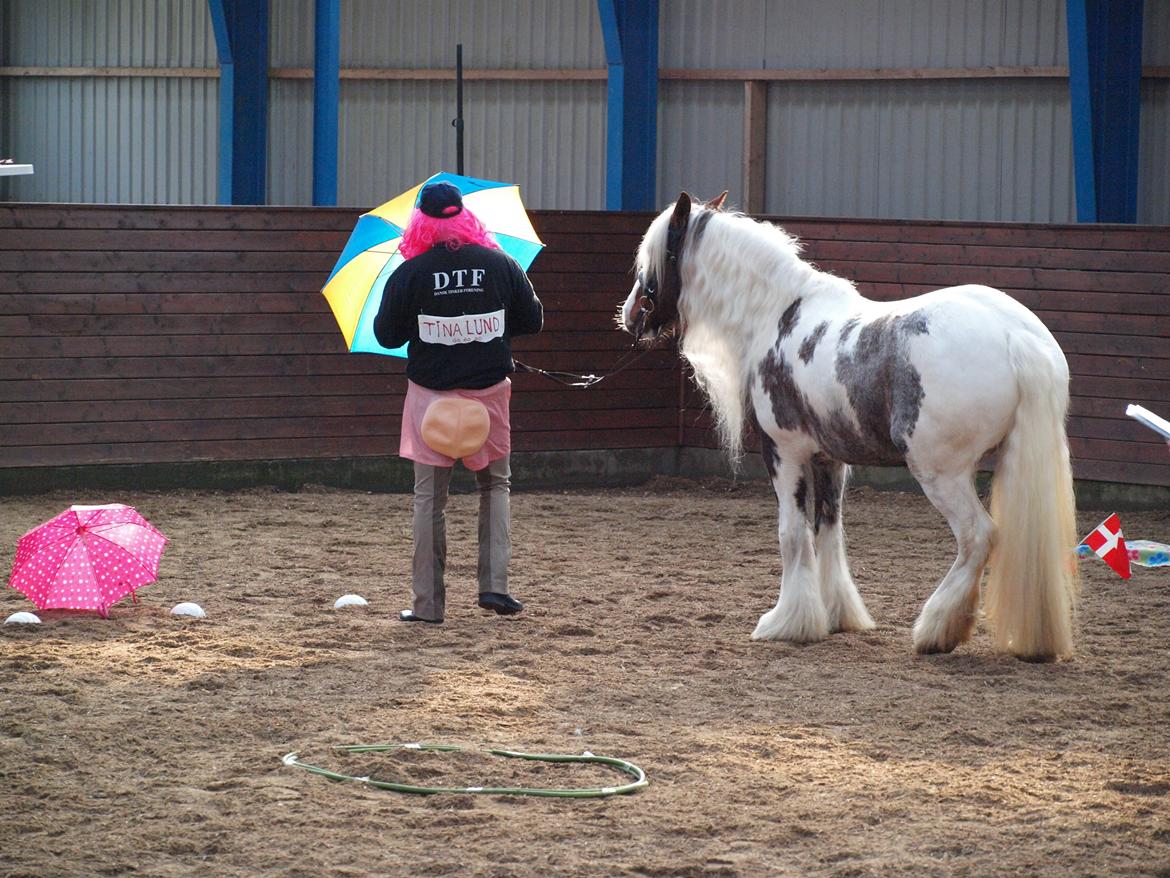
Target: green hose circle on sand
(629,768)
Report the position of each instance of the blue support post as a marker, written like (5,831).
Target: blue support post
(326,95)
(241,36)
(1105,76)
(630,30)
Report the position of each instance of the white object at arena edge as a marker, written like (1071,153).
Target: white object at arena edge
(23,619)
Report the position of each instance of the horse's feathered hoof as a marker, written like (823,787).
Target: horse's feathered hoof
(933,648)
(934,633)
(807,627)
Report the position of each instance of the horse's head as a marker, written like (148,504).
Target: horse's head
(651,308)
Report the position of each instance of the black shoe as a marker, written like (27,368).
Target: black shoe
(409,616)
(504,604)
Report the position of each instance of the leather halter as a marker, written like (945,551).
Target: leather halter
(649,301)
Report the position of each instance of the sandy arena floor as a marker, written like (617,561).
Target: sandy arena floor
(150,744)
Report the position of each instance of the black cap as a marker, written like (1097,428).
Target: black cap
(440,200)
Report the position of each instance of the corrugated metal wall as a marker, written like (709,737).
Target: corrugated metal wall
(979,149)
(986,149)
(940,150)
(910,149)
(111,139)
(975,150)
(1154,182)
(548,136)
(107,33)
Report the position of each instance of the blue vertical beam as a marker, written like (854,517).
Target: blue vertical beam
(1105,75)
(630,30)
(326,94)
(241,36)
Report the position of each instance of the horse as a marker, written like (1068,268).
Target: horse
(829,378)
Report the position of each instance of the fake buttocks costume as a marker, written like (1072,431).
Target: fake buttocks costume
(457,310)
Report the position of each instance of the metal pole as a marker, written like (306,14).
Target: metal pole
(326,92)
(458,123)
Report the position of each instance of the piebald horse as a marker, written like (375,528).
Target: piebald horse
(829,378)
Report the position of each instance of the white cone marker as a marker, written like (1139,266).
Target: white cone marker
(23,619)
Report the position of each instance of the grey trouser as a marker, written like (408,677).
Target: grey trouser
(430,533)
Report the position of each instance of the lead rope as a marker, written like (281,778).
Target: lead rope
(585,381)
(576,379)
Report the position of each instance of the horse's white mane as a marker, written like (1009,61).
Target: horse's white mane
(738,277)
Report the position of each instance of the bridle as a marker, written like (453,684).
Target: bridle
(649,302)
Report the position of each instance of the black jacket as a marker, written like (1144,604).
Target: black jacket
(458,310)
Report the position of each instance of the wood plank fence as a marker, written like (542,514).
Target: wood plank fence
(156,335)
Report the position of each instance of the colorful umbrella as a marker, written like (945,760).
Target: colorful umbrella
(354,289)
(87,558)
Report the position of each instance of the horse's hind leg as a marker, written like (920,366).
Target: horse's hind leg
(845,608)
(799,614)
(948,617)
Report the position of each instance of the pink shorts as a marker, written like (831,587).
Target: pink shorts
(499,440)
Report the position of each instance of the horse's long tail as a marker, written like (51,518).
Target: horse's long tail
(1032,580)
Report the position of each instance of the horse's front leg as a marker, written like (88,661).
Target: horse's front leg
(845,608)
(799,614)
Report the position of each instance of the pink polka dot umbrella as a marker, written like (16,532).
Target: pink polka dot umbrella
(87,558)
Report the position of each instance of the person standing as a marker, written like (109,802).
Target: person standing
(456,302)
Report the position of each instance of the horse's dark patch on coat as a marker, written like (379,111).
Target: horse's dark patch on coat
(809,345)
(884,391)
(846,330)
(790,408)
(800,495)
(828,481)
(884,388)
(769,452)
(788,320)
(914,323)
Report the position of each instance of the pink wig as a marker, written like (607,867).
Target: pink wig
(424,232)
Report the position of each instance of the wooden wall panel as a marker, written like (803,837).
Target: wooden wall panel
(158,334)
(161,335)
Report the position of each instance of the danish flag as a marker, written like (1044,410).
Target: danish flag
(1109,543)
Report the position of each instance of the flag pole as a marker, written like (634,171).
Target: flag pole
(458,121)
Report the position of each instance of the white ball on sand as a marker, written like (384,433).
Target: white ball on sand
(349,600)
(188,609)
(22,619)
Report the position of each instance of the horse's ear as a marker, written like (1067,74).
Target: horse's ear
(717,203)
(682,212)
